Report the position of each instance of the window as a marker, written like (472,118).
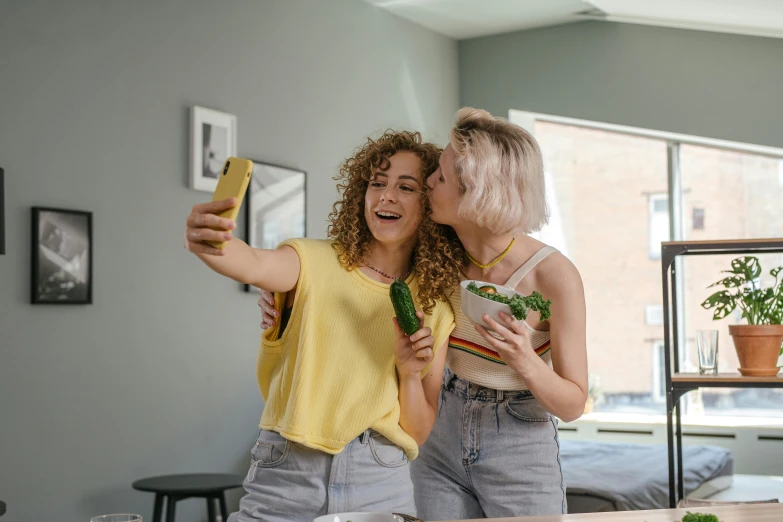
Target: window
(609,187)
(658,211)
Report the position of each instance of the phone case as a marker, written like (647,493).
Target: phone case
(233,182)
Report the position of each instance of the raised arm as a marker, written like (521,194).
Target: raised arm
(275,270)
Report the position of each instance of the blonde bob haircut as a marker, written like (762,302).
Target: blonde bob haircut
(500,174)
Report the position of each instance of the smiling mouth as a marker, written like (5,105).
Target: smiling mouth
(388,216)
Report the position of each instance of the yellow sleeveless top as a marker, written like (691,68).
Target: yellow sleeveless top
(331,375)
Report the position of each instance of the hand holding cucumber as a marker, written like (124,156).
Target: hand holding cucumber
(413,352)
(414,341)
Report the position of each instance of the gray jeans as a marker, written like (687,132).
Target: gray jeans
(491,454)
(290,482)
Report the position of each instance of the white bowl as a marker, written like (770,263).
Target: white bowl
(359,517)
(474,306)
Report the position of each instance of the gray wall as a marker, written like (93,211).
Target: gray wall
(157,376)
(707,84)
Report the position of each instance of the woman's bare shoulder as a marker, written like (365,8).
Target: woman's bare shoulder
(557,275)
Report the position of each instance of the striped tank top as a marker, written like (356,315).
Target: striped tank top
(471,359)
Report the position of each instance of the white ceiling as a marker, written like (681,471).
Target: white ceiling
(461,19)
(756,17)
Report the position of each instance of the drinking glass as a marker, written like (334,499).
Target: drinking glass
(707,347)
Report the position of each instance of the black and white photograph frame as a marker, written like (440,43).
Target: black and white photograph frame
(276,205)
(61,256)
(213,138)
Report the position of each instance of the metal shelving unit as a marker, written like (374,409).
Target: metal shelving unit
(678,384)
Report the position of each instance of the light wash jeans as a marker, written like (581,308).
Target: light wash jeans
(491,454)
(291,482)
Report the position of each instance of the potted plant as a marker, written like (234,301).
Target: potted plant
(758,343)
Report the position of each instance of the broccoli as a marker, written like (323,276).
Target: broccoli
(699,517)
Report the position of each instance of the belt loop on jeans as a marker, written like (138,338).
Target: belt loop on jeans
(500,395)
(364,436)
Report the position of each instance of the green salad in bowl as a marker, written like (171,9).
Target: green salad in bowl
(479,298)
(518,303)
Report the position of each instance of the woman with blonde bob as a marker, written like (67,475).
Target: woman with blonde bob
(348,396)
(494,450)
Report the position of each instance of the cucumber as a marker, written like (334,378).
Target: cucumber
(404,309)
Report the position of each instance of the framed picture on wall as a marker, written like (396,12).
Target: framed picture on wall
(213,138)
(61,256)
(275,203)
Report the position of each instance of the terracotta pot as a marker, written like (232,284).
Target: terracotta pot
(758,348)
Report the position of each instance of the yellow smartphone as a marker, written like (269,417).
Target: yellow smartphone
(233,182)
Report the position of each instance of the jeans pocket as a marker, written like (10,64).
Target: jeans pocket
(528,410)
(270,450)
(385,452)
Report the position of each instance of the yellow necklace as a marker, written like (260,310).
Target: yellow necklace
(494,261)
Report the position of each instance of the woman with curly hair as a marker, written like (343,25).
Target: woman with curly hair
(348,396)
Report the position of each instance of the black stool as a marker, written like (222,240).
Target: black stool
(174,488)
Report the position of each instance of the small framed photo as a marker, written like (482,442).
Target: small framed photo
(61,256)
(276,205)
(213,138)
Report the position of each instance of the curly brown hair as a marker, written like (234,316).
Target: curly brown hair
(438,254)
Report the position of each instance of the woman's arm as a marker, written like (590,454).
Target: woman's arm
(561,390)
(275,270)
(418,395)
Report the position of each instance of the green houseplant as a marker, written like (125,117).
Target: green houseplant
(758,343)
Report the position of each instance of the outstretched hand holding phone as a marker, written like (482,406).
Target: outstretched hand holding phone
(204,227)
(209,234)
